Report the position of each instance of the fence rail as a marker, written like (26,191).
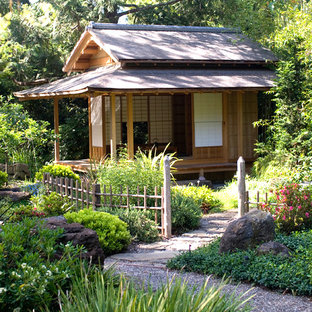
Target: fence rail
(89,195)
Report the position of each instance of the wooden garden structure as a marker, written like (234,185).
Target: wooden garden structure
(193,87)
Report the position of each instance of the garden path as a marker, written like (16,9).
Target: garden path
(147,262)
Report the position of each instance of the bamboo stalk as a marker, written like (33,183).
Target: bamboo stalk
(156,217)
(87,194)
(76,193)
(82,195)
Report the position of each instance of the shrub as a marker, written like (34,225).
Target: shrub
(112,232)
(140,226)
(175,295)
(294,208)
(203,195)
(3,178)
(57,171)
(52,204)
(30,277)
(26,211)
(185,212)
(276,272)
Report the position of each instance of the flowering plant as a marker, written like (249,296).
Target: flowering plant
(293,209)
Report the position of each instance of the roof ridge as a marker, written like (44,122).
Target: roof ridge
(111,26)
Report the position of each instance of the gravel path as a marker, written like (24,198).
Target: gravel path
(147,262)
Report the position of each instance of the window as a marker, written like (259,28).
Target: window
(208,119)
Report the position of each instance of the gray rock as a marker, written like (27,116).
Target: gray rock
(15,194)
(248,231)
(273,248)
(78,235)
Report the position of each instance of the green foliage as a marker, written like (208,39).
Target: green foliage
(57,171)
(203,195)
(52,204)
(140,226)
(144,170)
(294,208)
(23,211)
(30,277)
(185,212)
(275,272)
(23,139)
(101,295)
(3,178)
(112,232)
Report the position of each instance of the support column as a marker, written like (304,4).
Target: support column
(103,127)
(90,128)
(56,130)
(113,137)
(240,124)
(130,125)
(225,126)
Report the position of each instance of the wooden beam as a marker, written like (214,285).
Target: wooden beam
(103,126)
(225,114)
(113,136)
(56,130)
(240,124)
(91,50)
(90,128)
(81,65)
(130,125)
(100,61)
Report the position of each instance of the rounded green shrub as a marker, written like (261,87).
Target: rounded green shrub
(3,178)
(185,212)
(57,171)
(112,232)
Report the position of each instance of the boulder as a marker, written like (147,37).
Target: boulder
(15,194)
(248,231)
(273,248)
(78,235)
(18,171)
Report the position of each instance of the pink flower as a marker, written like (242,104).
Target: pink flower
(305,197)
(284,217)
(35,208)
(291,208)
(299,207)
(307,215)
(277,197)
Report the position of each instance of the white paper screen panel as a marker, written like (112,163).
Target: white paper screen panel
(96,121)
(208,119)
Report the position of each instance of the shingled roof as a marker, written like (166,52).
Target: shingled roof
(177,43)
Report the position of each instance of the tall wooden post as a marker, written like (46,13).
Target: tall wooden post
(90,128)
(103,127)
(113,137)
(56,130)
(240,124)
(241,186)
(130,125)
(166,200)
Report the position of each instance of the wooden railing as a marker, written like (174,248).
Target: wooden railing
(93,196)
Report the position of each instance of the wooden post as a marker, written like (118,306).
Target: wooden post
(241,186)
(56,130)
(240,124)
(90,128)
(103,126)
(113,136)
(167,202)
(96,199)
(130,125)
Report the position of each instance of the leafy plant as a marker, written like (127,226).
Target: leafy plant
(112,232)
(57,171)
(3,178)
(185,212)
(24,211)
(30,276)
(203,195)
(52,204)
(276,272)
(140,226)
(294,208)
(175,295)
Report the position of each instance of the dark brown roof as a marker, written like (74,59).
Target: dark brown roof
(176,43)
(117,79)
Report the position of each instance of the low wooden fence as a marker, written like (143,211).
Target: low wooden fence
(89,195)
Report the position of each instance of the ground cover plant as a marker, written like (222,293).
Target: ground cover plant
(275,272)
(101,295)
(30,276)
(3,178)
(57,171)
(112,232)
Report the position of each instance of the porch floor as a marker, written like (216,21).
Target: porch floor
(182,167)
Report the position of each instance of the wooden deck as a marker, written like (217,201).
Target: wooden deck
(183,167)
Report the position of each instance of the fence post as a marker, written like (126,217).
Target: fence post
(241,186)
(167,203)
(96,199)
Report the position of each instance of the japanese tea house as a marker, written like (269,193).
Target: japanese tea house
(193,87)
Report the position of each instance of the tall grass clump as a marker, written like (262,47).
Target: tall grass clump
(175,295)
(146,169)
